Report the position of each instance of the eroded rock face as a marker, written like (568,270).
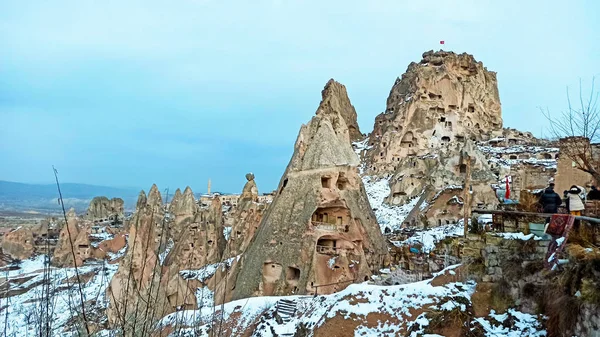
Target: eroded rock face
(19,243)
(71,236)
(246,218)
(320,228)
(102,209)
(200,239)
(424,139)
(135,290)
(335,101)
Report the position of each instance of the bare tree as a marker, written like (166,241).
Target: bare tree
(578,127)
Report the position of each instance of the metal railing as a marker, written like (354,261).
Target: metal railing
(331,284)
(541,215)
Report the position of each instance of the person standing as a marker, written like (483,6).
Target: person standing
(594,194)
(550,200)
(574,201)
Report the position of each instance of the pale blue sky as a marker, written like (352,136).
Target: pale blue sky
(130,93)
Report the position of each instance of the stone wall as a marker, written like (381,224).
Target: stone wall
(493,250)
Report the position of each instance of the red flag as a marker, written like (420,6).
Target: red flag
(442,42)
(507,195)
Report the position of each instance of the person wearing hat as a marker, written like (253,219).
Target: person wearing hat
(574,201)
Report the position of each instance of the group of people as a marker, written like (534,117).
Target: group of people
(551,201)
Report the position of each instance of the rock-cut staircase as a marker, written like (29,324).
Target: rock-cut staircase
(286,309)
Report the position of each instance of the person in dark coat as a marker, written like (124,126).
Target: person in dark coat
(594,194)
(550,200)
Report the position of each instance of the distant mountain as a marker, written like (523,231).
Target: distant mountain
(22,196)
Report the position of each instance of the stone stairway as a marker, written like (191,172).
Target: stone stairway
(286,309)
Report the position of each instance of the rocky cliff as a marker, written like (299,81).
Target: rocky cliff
(319,234)
(139,292)
(335,100)
(424,140)
(104,208)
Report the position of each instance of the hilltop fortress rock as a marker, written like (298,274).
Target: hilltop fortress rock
(425,138)
(319,234)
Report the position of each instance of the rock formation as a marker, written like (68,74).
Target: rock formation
(18,243)
(144,288)
(335,100)
(102,209)
(182,211)
(245,219)
(319,234)
(199,238)
(70,239)
(424,139)
(135,291)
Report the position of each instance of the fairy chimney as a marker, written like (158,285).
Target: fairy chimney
(320,229)
(246,218)
(135,287)
(200,238)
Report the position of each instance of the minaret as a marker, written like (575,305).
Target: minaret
(208,187)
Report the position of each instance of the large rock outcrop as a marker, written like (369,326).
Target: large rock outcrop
(141,291)
(19,243)
(73,243)
(320,233)
(199,238)
(425,138)
(102,209)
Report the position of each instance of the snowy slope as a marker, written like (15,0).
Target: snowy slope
(391,217)
(22,311)
(406,308)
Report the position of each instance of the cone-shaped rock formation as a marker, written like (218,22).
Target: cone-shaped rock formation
(319,234)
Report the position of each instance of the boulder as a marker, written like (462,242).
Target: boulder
(18,243)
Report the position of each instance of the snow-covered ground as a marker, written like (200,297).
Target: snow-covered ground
(391,217)
(354,304)
(22,311)
(429,237)
(494,153)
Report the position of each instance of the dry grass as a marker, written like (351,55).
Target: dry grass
(501,299)
(563,312)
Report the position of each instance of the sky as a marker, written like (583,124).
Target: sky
(131,93)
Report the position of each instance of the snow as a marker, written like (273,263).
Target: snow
(517,149)
(227,232)
(162,256)
(331,263)
(207,271)
(121,252)
(523,324)
(102,236)
(560,241)
(22,308)
(36,263)
(485,219)
(429,237)
(355,303)
(518,236)
(356,300)
(391,217)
